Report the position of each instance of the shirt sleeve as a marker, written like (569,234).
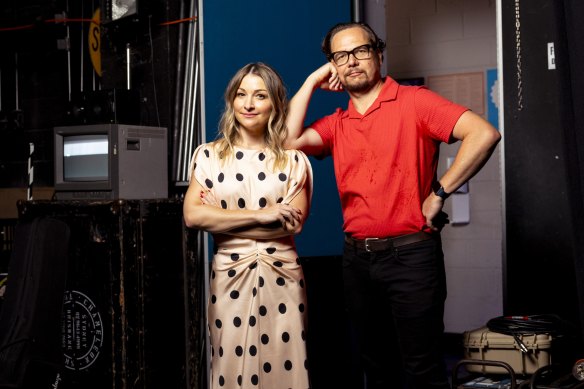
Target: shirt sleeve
(325,128)
(436,114)
(300,175)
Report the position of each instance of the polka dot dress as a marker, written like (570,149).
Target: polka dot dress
(257,305)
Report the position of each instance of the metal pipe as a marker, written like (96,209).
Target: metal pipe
(178,92)
(357,10)
(68,51)
(188,92)
(16,80)
(128,66)
(81,52)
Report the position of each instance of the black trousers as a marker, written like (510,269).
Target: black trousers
(395,301)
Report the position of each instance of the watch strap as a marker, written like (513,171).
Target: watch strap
(439,191)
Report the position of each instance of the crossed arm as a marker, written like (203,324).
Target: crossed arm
(268,223)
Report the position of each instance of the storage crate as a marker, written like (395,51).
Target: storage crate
(483,344)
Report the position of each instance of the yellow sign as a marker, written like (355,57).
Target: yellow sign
(94,39)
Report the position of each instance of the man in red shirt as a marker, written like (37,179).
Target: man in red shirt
(385,151)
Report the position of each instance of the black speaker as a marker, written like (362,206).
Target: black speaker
(132,313)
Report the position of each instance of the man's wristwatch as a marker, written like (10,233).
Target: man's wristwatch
(439,191)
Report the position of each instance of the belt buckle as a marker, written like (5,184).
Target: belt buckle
(367,240)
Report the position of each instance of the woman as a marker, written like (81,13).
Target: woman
(253,196)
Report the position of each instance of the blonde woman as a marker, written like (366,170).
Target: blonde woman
(253,196)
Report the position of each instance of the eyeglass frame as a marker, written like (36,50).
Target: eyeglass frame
(370,47)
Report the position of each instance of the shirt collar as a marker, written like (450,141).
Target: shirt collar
(388,92)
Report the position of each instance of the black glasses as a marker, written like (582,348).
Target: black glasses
(342,57)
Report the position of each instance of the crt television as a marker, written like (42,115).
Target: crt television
(110,161)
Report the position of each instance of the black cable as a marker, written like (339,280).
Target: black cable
(514,326)
(534,324)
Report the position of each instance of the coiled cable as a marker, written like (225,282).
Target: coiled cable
(534,324)
(531,325)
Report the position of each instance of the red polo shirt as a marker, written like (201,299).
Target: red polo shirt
(385,160)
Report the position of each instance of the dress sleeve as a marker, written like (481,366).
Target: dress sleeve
(300,175)
(200,166)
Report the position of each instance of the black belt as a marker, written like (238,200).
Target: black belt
(381,244)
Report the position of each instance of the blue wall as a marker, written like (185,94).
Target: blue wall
(287,36)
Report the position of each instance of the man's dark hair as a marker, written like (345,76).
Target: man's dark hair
(377,43)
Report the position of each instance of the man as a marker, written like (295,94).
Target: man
(385,151)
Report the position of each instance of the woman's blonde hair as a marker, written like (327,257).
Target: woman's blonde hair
(276,131)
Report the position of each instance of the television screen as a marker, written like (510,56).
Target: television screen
(85,157)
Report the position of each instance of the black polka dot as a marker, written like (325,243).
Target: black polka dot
(236,321)
(207,153)
(220,351)
(301,283)
(239,351)
(213,299)
(301,307)
(262,176)
(280,200)
(221,177)
(252,321)
(262,156)
(271,250)
(253,350)
(253,266)
(223,204)
(278,263)
(263,310)
(234,294)
(231,273)
(282,177)
(261,281)
(265,339)
(241,203)
(218,323)
(282,308)
(285,337)
(239,177)
(209,183)
(254,379)
(296,157)
(213,274)
(239,380)
(221,380)
(239,155)
(263,202)
(234,257)
(267,367)
(303,335)
(254,291)
(280,281)
(288,365)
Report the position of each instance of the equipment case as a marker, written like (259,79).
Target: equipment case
(483,344)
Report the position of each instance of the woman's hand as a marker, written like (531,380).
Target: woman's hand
(283,213)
